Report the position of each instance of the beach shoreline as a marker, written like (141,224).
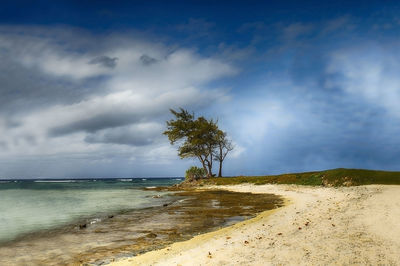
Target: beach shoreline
(177,216)
(317,225)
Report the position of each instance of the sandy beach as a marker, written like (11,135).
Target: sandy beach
(318,226)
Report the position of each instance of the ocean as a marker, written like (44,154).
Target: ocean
(29,206)
(92,222)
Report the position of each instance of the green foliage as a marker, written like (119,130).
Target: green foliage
(179,128)
(195,173)
(334,177)
(198,138)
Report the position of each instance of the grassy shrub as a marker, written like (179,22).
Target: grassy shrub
(195,173)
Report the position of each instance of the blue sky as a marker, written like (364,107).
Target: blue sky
(86,85)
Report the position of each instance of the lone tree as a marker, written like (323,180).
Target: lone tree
(198,138)
(224,146)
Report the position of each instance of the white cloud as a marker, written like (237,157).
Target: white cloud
(369,72)
(129,87)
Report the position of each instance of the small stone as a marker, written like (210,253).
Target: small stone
(246,242)
(279,234)
(299,228)
(151,235)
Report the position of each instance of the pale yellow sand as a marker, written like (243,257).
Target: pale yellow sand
(345,226)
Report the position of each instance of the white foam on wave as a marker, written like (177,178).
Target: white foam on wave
(55,181)
(125,179)
(96,220)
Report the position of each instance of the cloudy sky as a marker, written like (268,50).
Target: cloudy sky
(85,86)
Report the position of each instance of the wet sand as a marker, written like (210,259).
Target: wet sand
(182,216)
(320,226)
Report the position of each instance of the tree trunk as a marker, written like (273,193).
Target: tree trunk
(204,164)
(209,170)
(220,159)
(220,169)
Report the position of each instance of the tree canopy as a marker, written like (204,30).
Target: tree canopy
(198,138)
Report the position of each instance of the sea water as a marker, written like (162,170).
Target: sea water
(30,206)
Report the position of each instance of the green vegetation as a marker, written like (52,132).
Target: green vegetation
(334,177)
(195,173)
(198,138)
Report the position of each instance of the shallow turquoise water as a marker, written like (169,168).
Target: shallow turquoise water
(31,206)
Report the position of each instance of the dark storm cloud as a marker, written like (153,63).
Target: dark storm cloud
(147,60)
(21,90)
(11,123)
(104,61)
(132,136)
(25,88)
(3,145)
(124,139)
(95,123)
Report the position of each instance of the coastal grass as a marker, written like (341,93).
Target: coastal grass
(334,177)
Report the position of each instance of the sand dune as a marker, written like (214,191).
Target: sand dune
(319,226)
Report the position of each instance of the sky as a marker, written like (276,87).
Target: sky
(86,86)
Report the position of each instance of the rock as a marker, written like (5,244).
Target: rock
(279,234)
(299,228)
(110,216)
(82,226)
(165,205)
(246,242)
(151,235)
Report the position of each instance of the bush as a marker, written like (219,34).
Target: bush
(194,173)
